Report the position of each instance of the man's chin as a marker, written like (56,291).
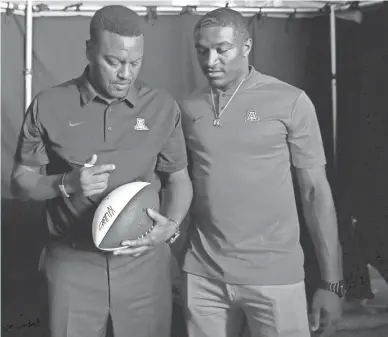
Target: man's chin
(118,94)
(216,81)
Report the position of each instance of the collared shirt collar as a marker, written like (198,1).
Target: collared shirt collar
(252,79)
(88,93)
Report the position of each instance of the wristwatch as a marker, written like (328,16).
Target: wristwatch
(175,236)
(338,288)
(62,187)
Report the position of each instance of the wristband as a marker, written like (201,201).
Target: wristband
(175,236)
(62,187)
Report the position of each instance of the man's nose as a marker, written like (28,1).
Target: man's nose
(212,58)
(125,72)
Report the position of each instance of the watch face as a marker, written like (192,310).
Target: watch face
(342,290)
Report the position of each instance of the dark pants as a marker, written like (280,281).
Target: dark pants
(85,288)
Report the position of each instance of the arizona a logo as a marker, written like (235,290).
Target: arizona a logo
(140,125)
(251,116)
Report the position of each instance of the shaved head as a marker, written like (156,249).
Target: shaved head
(224,17)
(115,19)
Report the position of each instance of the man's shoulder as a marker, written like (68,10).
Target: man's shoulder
(154,91)
(263,81)
(60,91)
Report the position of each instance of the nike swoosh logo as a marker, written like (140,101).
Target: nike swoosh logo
(196,118)
(74,124)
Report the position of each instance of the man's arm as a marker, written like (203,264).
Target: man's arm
(177,195)
(321,220)
(28,183)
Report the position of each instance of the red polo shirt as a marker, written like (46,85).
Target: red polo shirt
(69,123)
(246,228)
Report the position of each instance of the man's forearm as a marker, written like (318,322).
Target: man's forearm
(31,185)
(321,220)
(177,197)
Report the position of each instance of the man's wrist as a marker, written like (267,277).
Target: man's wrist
(339,288)
(175,225)
(333,275)
(64,185)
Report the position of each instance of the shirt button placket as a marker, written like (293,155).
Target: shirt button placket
(107,118)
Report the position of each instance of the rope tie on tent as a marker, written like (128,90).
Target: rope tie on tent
(152,13)
(325,9)
(27,71)
(188,10)
(8,12)
(40,8)
(355,5)
(259,17)
(290,18)
(76,6)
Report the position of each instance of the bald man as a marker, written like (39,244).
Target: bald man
(244,131)
(91,135)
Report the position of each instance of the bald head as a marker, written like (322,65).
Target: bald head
(224,17)
(115,19)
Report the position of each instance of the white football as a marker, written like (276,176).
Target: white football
(122,215)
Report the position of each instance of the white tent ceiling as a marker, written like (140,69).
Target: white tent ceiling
(247,7)
(211,3)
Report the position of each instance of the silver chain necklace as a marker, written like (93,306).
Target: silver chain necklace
(216,121)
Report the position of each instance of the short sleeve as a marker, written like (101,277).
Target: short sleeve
(31,149)
(304,135)
(173,156)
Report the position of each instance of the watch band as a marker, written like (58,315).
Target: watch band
(62,187)
(338,288)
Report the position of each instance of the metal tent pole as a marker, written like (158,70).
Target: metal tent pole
(28,55)
(54,9)
(333,81)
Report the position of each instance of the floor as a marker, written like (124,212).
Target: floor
(20,317)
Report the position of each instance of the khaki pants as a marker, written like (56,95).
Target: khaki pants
(215,309)
(84,288)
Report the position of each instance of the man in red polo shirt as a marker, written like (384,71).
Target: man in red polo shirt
(244,261)
(91,135)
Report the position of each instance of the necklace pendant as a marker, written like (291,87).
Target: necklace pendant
(216,122)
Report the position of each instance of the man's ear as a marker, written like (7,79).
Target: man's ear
(247,47)
(88,49)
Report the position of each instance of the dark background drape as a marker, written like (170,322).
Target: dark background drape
(363,146)
(296,51)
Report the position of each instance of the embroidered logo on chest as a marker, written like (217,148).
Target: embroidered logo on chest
(74,124)
(140,125)
(251,116)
